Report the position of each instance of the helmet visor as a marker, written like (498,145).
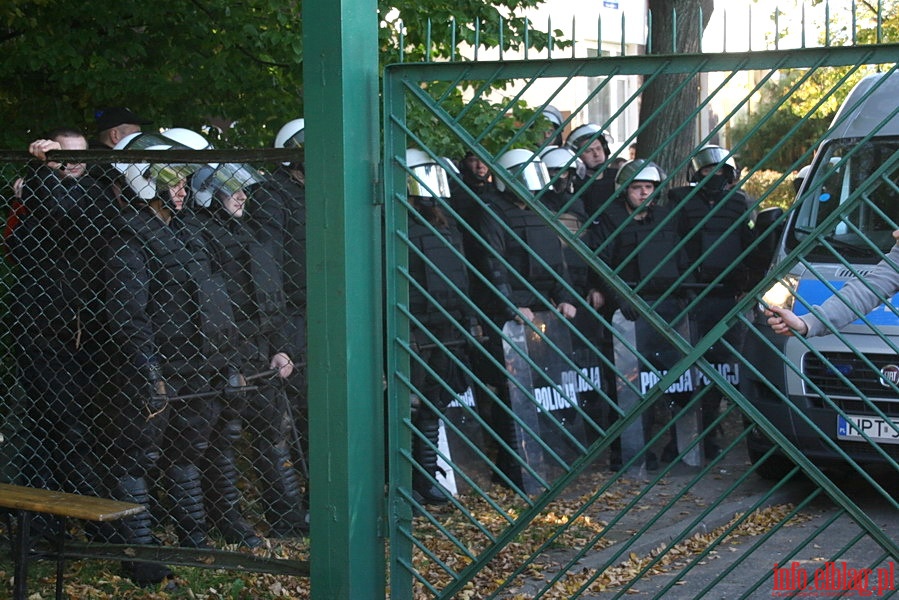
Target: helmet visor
(170,175)
(711,156)
(296,140)
(229,178)
(145,140)
(534,176)
(428,181)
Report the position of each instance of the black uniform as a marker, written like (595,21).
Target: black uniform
(276,214)
(513,286)
(573,216)
(255,286)
(723,209)
(652,271)
(171,319)
(56,310)
(447,282)
(595,194)
(542,241)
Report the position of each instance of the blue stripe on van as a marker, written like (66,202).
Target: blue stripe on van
(815,292)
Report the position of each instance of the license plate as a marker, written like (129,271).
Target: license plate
(877,429)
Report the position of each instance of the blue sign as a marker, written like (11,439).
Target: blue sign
(816,292)
(610,4)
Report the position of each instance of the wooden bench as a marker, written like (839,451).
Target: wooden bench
(26,501)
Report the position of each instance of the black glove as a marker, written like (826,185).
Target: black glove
(237,385)
(628,310)
(157,390)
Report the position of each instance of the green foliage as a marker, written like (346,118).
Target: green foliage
(179,63)
(428,30)
(236,66)
(779,110)
(502,122)
(809,101)
(765,184)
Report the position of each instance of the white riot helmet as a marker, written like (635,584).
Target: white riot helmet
(224,178)
(146,180)
(187,138)
(711,155)
(639,170)
(556,158)
(586,132)
(553,115)
(142,140)
(291,135)
(564,159)
(450,165)
(428,178)
(526,167)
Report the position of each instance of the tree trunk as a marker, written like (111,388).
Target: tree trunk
(689,33)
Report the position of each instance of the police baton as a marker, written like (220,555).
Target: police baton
(228,389)
(287,407)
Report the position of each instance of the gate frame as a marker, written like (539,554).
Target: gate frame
(402,79)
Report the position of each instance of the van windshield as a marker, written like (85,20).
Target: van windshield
(853,193)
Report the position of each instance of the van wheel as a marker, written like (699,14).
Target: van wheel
(773,468)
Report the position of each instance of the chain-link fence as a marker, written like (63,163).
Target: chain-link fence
(155,343)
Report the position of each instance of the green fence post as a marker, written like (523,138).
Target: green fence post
(340,70)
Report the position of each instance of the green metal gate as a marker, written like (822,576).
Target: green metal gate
(732,524)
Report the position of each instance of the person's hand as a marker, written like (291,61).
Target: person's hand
(39,148)
(629,311)
(784,321)
(18,186)
(283,363)
(568,311)
(526,313)
(896,236)
(596,299)
(236,389)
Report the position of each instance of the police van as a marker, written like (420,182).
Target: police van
(848,207)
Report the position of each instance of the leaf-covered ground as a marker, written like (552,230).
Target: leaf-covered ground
(541,554)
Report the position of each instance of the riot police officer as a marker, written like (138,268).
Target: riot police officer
(256,289)
(715,219)
(555,130)
(521,284)
(640,243)
(597,184)
(276,215)
(171,320)
(442,312)
(564,169)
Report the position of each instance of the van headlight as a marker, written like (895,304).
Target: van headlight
(782,293)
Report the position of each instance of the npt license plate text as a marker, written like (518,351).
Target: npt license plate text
(875,428)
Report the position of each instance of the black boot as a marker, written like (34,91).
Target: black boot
(223,502)
(430,491)
(508,461)
(135,529)
(282,495)
(186,493)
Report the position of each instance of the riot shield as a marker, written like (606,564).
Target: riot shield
(687,423)
(636,378)
(721,358)
(543,397)
(587,344)
(459,416)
